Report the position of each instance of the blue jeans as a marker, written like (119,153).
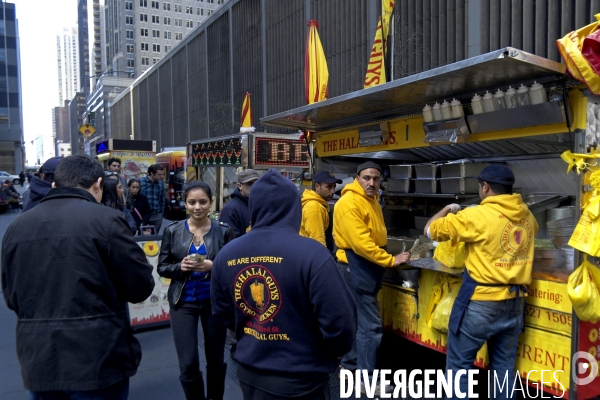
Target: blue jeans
(498,323)
(118,391)
(349,359)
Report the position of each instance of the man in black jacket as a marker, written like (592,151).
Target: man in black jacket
(69,266)
(236,213)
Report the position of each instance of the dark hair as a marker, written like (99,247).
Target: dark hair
(188,187)
(110,195)
(78,171)
(112,160)
(498,188)
(132,181)
(154,167)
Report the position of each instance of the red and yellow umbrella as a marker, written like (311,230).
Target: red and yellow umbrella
(316,74)
(246,115)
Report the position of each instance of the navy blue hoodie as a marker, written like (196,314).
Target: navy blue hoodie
(37,190)
(236,213)
(293,312)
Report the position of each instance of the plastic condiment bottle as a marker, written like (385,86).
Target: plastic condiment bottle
(445,109)
(523,96)
(437,114)
(510,98)
(476,104)
(427,113)
(457,109)
(499,98)
(537,94)
(489,104)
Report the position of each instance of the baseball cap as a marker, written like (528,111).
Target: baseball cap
(50,165)
(326,177)
(497,173)
(367,165)
(247,175)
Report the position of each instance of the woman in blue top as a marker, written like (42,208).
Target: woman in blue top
(186,253)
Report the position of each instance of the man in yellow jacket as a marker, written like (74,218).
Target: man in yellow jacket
(499,236)
(361,236)
(315,210)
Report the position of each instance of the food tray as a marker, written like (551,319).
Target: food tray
(427,186)
(459,185)
(400,185)
(401,171)
(461,169)
(427,171)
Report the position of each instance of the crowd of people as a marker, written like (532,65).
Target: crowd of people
(297,304)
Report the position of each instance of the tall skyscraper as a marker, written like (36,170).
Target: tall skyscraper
(12,152)
(67,59)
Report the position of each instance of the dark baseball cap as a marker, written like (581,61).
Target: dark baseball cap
(497,173)
(50,165)
(247,175)
(367,165)
(326,177)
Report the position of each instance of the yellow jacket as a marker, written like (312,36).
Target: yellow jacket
(315,216)
(358,225)
(499,235)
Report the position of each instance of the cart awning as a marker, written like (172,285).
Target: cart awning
(407,96)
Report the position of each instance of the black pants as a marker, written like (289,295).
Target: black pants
(184,323)
(253,393)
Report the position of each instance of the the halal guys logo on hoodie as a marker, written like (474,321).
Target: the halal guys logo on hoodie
(257,293)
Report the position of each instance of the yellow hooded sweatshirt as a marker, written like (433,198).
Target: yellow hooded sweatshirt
(315,216)
(499,234)
(358,226)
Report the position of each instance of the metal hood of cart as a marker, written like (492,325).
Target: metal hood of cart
(408,96)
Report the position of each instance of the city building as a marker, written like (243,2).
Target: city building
(76,111)
(61,127)
(67,62)
(12,151)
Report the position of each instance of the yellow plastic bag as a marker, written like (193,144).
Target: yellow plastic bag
(583,287)
(441,314)
(570,49)
(586,236)
(451,254)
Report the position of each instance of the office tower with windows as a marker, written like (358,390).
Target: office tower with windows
(67,62)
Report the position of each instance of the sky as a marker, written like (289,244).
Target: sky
(39,23)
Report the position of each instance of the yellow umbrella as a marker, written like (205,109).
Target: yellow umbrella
(246,115)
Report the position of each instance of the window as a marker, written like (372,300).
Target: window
(144,46)
(167,21)
(155,60)
(128,5)
(200,11)
(155,33)
(156,48)
(145,61)
(143,3)
(130,49)
(167,34)
(144,32)
(178,36)
(144,17)
(208,12)
(177,7)
(129,19)
(189,10)
(156,19)
(131,62)
(189,23)
(129,34)
(155,5)
(219,1)
(210,1)
(178,22)
(167,6)
(167,48)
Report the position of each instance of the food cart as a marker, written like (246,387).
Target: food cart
(429,165)
(216,160)
(136,155)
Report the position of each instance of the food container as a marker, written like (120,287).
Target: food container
(437,112)
(510,98)
(401,171)
(456,109)
(458,185)
(476,104)
(400,185)
(489,104)
(427,171)
(461,169)
(426,186)
(446,111)
(537,94)
(427,113)
(398,245)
